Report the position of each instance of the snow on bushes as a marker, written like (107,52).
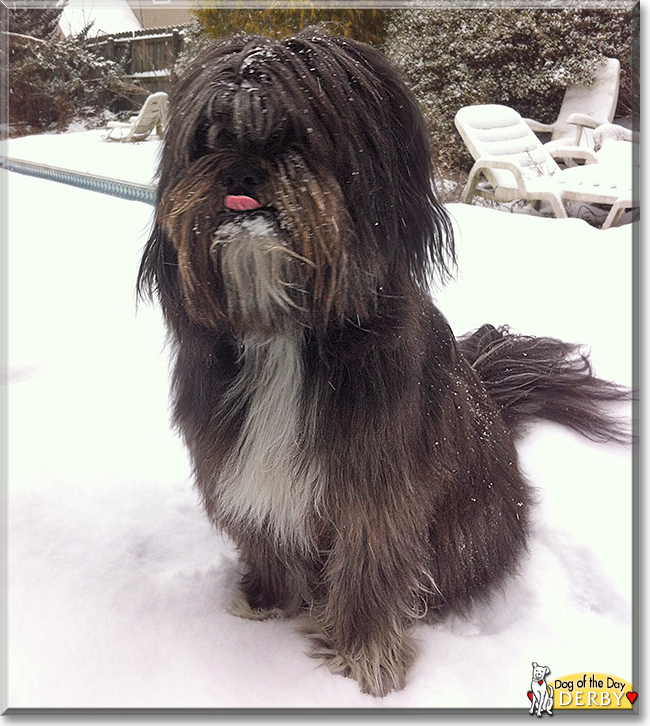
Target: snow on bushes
(521,58)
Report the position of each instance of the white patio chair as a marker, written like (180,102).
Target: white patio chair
(583,107)
(512,164)
(617,148)
(612,145)
(152,115)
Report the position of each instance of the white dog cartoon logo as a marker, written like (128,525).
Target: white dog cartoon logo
(541,694)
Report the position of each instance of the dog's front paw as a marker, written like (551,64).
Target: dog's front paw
(378,667)
(241,608)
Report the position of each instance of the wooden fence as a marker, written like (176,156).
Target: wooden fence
(147,55)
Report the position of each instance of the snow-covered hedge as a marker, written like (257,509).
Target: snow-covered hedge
(519,57)
(52,78)
(208,24)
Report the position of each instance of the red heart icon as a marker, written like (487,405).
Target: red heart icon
(631,696)
(530,695)
(540,682)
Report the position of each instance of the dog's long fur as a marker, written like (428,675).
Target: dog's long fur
(361,458)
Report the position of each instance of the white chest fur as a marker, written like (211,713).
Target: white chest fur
(268,482)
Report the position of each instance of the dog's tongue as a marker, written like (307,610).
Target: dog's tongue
(241,203)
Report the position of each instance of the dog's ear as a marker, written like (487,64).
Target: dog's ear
(157,275)
(422,223)
(547,670)
(390,186)
(534,665)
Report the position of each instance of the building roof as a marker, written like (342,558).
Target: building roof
(108,18)
(160,14)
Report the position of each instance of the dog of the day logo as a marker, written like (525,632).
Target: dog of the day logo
(540,694)
(578,691)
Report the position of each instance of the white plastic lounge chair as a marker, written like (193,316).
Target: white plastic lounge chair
(512,164)
(614,146)
(584,107)
(152,115)
(610,134)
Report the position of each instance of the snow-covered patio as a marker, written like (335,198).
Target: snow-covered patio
(118,589)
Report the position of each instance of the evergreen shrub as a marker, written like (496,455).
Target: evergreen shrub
(523,58)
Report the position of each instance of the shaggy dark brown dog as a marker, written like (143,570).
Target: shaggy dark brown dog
(361,458)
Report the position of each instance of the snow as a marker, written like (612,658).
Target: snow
(85,151)
(151,74)
(118,589)
(108,17)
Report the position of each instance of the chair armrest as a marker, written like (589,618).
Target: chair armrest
(614,132)
(581,119)
(574,152)
(540,128)
(514,169)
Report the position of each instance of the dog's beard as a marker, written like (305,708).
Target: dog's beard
(284,265)
(260,273)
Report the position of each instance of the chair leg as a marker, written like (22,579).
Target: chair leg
(615,213)
(556,204)
(470,188)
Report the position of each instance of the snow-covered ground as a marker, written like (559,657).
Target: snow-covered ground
(85,151)
(118,589)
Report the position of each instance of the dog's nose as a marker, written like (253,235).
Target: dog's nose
(242,178)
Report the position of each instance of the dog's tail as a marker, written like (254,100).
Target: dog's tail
(546,378)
